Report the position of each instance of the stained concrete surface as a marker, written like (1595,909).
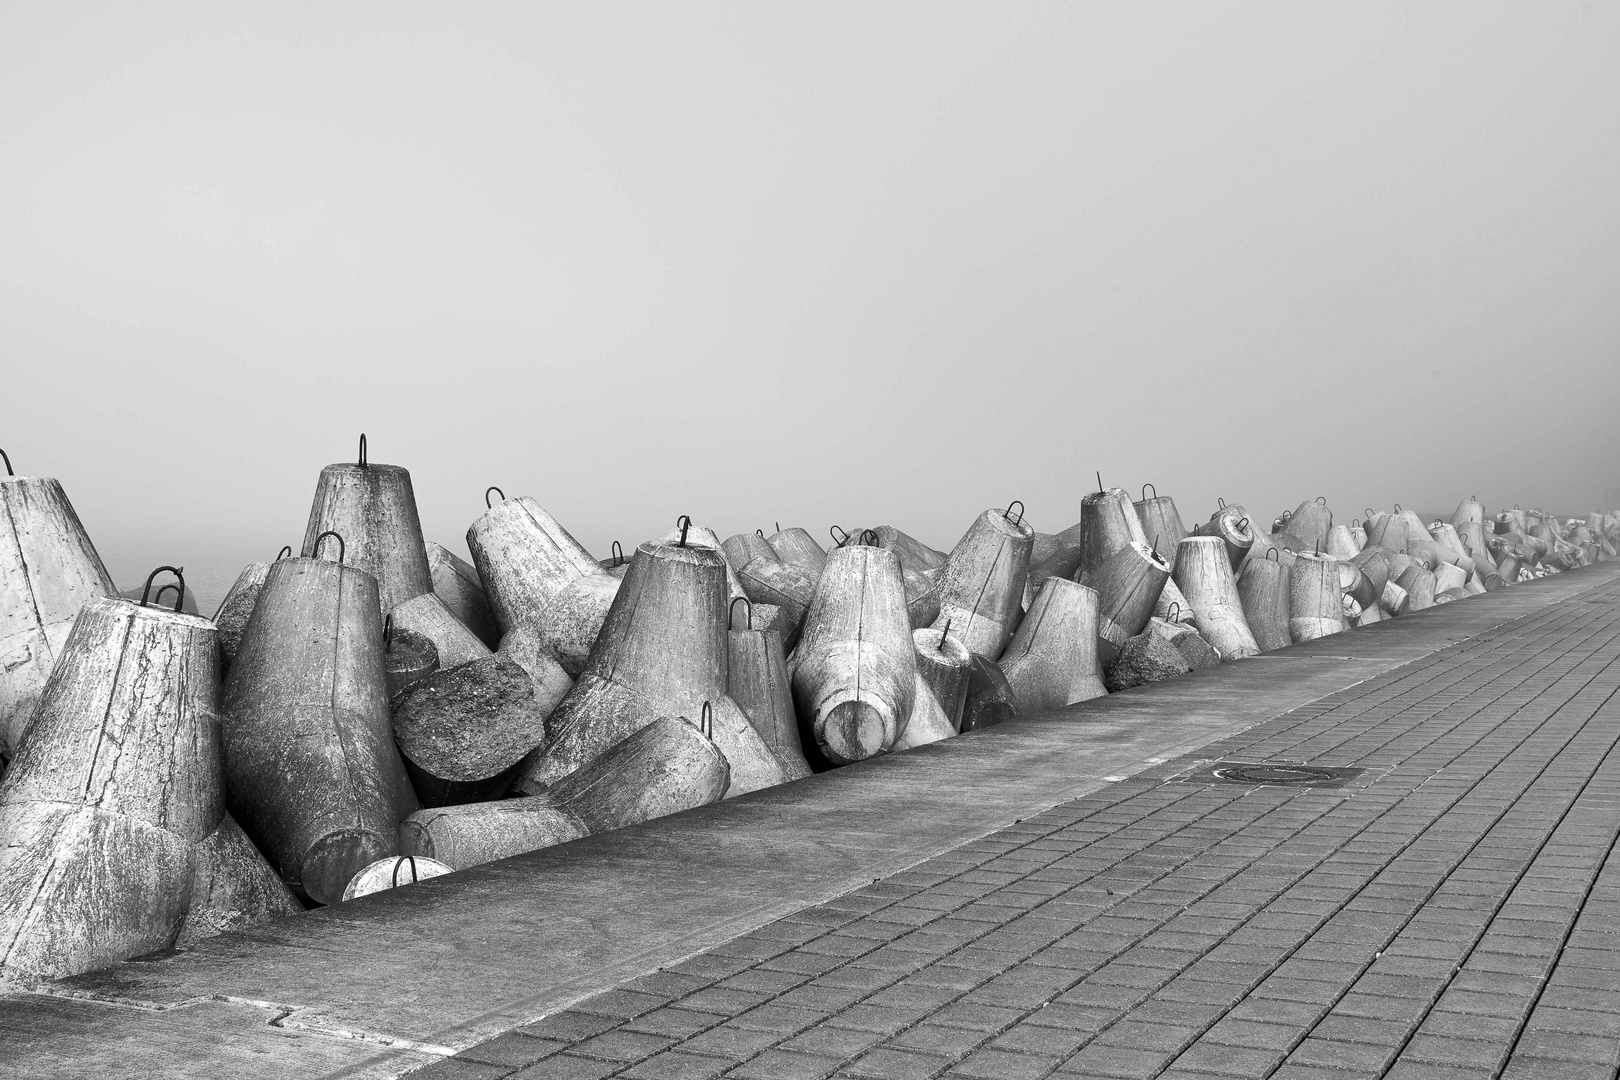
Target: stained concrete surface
(377,986)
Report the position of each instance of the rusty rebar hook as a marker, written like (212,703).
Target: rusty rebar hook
(748,612)
(394,882)
(618,555)
(284,553)
(1155,488)
(1006,514)
(362,461)
(684,522)
(180,575)
(342,547)
(945,633)
(495,489)
(837,541)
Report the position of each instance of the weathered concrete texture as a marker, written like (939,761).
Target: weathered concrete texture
(448,962)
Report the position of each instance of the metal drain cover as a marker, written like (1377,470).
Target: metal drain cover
(1254,774)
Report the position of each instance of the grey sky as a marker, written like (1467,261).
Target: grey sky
(806,263)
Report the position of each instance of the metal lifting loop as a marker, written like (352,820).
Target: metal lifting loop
(837,541)
(284,553)
(945,633)
(683,522)
(1221,502)
(1397,508)
(748,612)
(178,572)
(1243,523)
(179,595)
(1271,553)
(401,861)
(7,456)
(760,533)
(876,541)
(495,489)
(1322,499)
(1355,523)
(706,721)
(778,526)
(1174,612)
(1007,513)
(1144,491)
(1318,544)
(388,632)
(362,461)
(1099,484)
(341,546)
(618,555)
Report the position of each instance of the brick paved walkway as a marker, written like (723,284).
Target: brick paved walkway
(1452,912)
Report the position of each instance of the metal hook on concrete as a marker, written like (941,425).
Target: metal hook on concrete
(362,461)
(342,548)
(748,612)
(497,491)
(402,860)
(1007,513)
(178,572)
(684,522)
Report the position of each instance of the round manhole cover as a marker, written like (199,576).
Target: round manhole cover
(1276,774)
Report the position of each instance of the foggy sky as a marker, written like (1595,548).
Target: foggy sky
(809,263)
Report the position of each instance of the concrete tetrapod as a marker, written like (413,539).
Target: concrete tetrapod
(311,768)
(1419,585)
(769,580)
(990,698)
(456,582)
(757,680)
(1263,590)
(928,722)
(744,548)
(1311,522)
(1232,526)
(1052,659)
(1129,584)
(1108,522)
(981,585)
(232,616)
(1341,544)
(798,548)
(945,666)
(664,767)
(391,873)
(374,509)
(104,855)
(854,671)
(524,648)
(463,730)
(1205,576)
(429,616)
(1055,554)
(662,651)
(537,575)
(1468,511)
(1315,598)
(408,658)
(914,554)
(48,571)
(1161,523)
